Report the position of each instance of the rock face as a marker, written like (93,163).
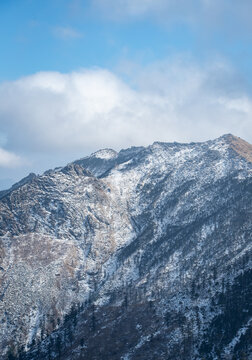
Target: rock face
(142,254)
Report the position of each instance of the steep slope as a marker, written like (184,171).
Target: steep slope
(141,254)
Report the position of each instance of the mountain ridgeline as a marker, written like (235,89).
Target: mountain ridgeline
(142,254)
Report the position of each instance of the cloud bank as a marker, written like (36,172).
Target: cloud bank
(86,110)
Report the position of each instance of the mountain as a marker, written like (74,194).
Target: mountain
(142,254)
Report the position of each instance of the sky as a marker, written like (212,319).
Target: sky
(80,75)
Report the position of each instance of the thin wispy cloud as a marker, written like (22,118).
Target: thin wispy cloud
(66,33)
(212,14)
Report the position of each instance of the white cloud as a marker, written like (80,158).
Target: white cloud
(9,159)
(66,33)
(87,110)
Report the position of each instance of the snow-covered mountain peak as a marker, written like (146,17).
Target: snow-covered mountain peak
(141,254)
(105,154)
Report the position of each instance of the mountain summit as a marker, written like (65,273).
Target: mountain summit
(140,254)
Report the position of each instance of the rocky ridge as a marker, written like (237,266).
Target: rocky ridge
(141,254)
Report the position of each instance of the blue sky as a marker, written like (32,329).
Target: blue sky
(79,75)
(64,35)
(33,38)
